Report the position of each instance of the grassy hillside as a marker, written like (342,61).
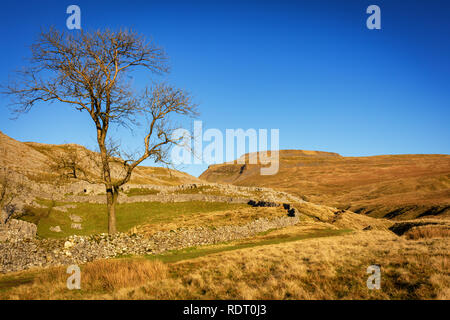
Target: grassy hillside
(392,186)
(35,160)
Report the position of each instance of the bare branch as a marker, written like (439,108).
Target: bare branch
(89,71)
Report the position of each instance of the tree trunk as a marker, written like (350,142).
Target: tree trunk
(112,194)
(3,216)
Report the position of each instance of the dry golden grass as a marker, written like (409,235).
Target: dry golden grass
(326,268)
(116,274)
(322,268)
(339,218)
(404,186)
(428,231)
(96,277)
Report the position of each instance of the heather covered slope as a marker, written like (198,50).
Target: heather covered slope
(392,186)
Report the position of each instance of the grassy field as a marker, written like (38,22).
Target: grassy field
(272,267)
(153,216)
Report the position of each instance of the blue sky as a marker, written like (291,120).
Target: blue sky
(308,68)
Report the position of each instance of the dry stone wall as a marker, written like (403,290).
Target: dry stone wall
(25,253)
(20,250)
(222,193)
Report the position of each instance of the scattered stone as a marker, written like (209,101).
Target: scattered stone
(34,204)
(75,218)
(68,245)
(55,229)
(76,226)
(64,208)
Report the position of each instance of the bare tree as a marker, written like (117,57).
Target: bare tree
(67,163)
(89,71)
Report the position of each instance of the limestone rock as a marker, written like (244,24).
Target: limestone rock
(76,226)
(75,218)
(16,230)
(55,229)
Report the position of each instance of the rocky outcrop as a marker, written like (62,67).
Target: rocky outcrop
(16,230)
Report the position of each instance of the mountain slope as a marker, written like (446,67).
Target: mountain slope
(35,160)
(392,186)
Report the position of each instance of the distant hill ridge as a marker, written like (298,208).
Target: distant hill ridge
(392,186)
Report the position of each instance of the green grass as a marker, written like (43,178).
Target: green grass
(196,252)
(128,215)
